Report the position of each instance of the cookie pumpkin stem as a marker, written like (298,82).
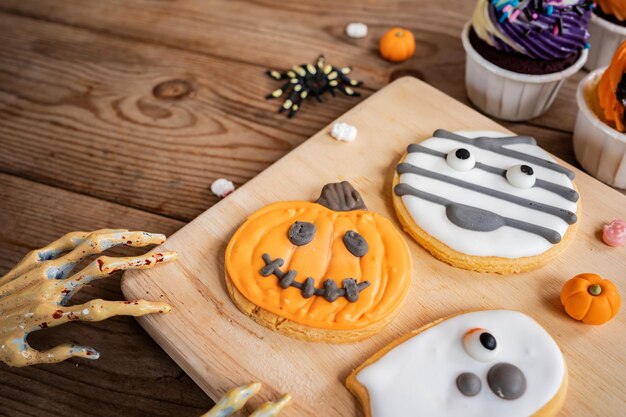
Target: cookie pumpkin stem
(341,196)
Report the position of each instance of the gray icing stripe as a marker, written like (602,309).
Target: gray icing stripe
(497,145)
(567,193)
(476,219)
(566,215)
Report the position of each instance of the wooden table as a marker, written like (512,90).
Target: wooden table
(122,113)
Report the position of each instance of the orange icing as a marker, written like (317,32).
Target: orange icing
(612,108)
(616,8)
(387,264)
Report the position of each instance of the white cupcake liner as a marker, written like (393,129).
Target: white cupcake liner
(605,38)
(600,149)
(510,95)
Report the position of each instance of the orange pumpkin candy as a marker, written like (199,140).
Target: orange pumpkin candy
(397,45)
(590,298)
(325,243)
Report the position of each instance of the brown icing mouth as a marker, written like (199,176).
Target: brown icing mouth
(350,289)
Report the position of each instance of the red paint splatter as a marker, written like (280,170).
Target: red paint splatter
(129,242)
(72,317)
(65,291)
(43,325)
(57,314)
(148,262)
(100,263)
(126,302)
(159,257)
(89,353)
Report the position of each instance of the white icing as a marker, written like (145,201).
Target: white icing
(418,377)
(343,132)
(519,179)
(460,164)
(506,242)
(356,30)
(221,187)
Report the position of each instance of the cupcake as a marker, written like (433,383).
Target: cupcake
(519,53)
(599,135)
(608,31)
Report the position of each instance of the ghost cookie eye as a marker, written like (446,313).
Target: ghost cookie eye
(480,345)
(301,233)
(461,159)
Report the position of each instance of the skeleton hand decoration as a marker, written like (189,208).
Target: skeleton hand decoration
(34,293)
(236,398)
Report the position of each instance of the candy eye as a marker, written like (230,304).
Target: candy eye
(461,159)
(355,243)
(301,233)
(521,176)
(480,345)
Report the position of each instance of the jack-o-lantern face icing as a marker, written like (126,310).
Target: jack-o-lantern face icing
(329,265)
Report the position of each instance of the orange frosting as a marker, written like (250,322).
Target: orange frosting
(616,8)
(612,108)
(386,265)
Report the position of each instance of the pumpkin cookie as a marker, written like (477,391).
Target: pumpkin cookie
(484,202)
(328,271)
(488,363)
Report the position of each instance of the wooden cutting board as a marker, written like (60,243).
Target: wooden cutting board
(219,347)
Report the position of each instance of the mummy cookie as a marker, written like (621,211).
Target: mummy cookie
(484,202)
(326,271)
(481,364)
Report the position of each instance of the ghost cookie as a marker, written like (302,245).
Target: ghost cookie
(484,202)
(481,364)
(329,271)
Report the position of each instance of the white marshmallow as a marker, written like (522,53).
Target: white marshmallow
(221,187)
(356,30)
(343,132)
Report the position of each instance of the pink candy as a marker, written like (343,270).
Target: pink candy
(614,233)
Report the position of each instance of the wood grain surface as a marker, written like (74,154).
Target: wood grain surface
(404,112)
(121,113)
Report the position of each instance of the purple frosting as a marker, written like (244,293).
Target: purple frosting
(543,29)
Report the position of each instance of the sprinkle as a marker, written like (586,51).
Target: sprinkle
(504,16)
(514,15)
(528,14)
(535,15)
(587,45)
(550,10)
